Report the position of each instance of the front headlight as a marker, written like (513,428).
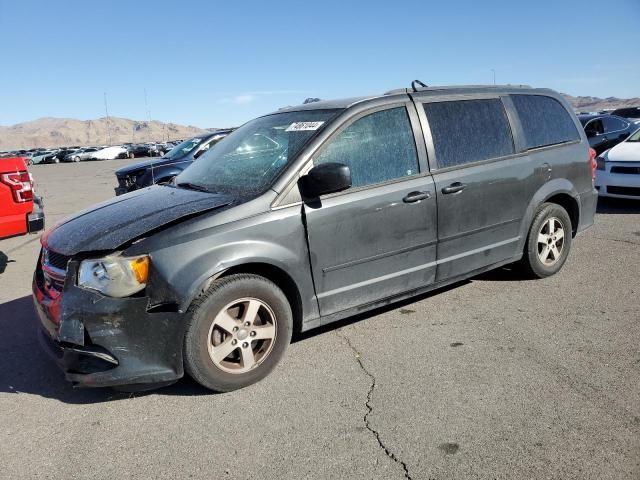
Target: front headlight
(601,163)
(115,276)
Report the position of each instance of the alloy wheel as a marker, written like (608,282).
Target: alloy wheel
(550,241)
(241,335)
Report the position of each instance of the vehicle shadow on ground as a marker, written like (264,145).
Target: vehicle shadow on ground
(27,369)
(618,206)
(3,262)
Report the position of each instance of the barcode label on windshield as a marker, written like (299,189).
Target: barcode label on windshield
(303,126)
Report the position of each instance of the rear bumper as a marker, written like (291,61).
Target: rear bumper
(35,220)
(99,341)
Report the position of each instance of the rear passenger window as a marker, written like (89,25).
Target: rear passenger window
(377,148)
(469,131)
(544,121)
(614,124)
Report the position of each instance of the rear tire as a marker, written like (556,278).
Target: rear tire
(237,332)
(548,242)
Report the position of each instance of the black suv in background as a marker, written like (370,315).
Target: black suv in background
(306,216)
(606,131)
(630,113)
(163,170)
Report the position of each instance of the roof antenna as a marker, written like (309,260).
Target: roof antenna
(415,83)
(310,100)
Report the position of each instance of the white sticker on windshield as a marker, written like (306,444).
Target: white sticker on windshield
(303,126)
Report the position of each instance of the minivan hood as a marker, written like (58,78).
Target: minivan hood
(111,224)
(625,152)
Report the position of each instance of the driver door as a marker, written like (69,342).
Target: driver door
(378,238)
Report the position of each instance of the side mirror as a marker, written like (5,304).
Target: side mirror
(325,178)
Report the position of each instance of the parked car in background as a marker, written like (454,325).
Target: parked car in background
(163,170)
(109,153)
(618,171)
(606,131)
(21,211)
(61,154)
(140,150)
(630,113)
(80,154)
(47,156)
(307,216)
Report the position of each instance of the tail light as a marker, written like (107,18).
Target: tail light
(593,162)
(20,184)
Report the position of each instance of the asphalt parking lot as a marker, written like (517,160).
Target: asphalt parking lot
(493,378)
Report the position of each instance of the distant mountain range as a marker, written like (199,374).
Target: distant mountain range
(60,132)
(595,104)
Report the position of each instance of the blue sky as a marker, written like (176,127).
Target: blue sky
(209,63)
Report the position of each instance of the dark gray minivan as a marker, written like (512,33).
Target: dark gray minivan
(306,216)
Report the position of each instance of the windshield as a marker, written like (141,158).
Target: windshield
(635,137)
(252,157)
(183,148)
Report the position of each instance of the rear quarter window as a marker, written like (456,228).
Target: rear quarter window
(544,121)
(469,131)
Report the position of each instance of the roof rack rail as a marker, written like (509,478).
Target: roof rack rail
(418,82)
(421,86)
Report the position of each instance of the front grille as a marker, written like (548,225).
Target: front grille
(627,170)
(54,269)
(56,260)
(630,191)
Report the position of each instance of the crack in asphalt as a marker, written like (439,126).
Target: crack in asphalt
(618,240)
(369,406)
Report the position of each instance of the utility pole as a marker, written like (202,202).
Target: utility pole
(494,76)
(146,105)
(106,111)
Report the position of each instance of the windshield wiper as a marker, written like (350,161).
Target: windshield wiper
(193,186)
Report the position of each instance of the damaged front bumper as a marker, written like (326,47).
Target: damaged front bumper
(101,341)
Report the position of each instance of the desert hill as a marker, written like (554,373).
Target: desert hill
(595,104)
(58,132)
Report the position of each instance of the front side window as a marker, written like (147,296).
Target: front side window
(469,131)
(377,148)
(593,128)
(544,121)
(249,159)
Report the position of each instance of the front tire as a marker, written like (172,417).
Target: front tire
(237,333)
(548,242)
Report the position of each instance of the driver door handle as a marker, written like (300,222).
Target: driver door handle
(454,188)
(416,197)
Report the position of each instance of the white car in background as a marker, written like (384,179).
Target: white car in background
(618,171)
(110,153)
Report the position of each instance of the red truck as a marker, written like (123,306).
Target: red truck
(20,210)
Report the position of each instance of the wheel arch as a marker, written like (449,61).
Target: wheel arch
(278,276)
(571,205)
(560,191)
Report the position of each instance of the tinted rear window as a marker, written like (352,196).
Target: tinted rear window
(544,121)
(469,131)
